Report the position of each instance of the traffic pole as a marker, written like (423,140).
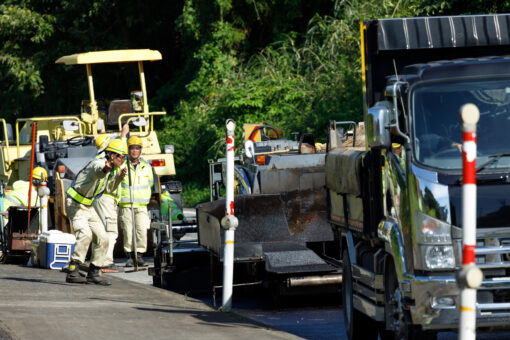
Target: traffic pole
(43,193)
(229,222)
(470,276)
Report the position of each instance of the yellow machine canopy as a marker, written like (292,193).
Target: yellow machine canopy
(113,56)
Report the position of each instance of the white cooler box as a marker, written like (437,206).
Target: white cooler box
(55,249)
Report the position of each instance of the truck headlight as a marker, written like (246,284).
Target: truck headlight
(439,257)
(434,239)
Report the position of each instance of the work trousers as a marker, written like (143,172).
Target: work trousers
(87,227)
(106,209)
(142,223)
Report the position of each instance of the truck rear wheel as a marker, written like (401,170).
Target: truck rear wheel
(396,315)
(357,324)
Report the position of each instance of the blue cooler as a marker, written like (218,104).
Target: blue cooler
(55,249)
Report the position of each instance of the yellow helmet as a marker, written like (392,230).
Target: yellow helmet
(135,141)
(102,141)
(40,174)
(117,146)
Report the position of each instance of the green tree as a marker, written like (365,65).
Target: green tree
(297,83)
(21,32)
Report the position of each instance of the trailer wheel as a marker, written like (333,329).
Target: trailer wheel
(396,315)
(357,324)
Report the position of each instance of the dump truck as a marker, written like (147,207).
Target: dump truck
(397,204)
(65,144)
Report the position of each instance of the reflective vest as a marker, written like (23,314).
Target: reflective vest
(142,179)
(18,196)
(89,183)
(112,188)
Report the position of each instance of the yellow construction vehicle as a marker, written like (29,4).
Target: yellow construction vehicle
(64,144)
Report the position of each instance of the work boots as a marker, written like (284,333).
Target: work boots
(94,276)
(141,262)
(131,259)
(74,275)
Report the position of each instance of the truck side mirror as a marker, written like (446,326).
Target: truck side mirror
(378,125)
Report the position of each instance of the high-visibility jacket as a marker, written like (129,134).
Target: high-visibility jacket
(90,182)
(112,187)
(18,196)
(142,179)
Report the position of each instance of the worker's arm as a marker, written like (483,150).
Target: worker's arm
(101,167)
(119,176)
(125,131)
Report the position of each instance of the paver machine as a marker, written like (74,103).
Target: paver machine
(65,144)
(280,201)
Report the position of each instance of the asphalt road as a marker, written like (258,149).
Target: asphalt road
(38,304)
(315,317)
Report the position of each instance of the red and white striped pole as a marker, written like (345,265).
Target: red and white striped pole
(470,276)
(229,222)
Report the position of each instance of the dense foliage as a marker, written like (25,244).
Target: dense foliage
(293,64)
(297,83)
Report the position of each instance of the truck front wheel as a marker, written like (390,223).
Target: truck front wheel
(357,324)
(396,315)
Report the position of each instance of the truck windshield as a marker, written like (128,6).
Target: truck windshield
(437,130)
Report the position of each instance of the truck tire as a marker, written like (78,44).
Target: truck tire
(394,311)
(357,324)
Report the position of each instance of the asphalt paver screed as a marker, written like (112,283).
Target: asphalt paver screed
(38,304)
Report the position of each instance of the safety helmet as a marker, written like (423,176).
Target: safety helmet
(40,174)
(135,141)
(117,146)
(102,141)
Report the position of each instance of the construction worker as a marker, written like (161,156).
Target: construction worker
(142,180)
(102,141)
(106,204)
(101,144)
(90,183)
(18,196)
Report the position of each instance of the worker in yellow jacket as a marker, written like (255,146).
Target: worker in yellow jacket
(18,196)
(89,184)
(142,180)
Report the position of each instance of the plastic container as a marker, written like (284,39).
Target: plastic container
(55,249)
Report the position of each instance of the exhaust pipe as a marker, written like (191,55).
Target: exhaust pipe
(317,280)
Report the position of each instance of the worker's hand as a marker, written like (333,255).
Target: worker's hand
(108,166)
(123,172)
(457,145)
(125,130)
